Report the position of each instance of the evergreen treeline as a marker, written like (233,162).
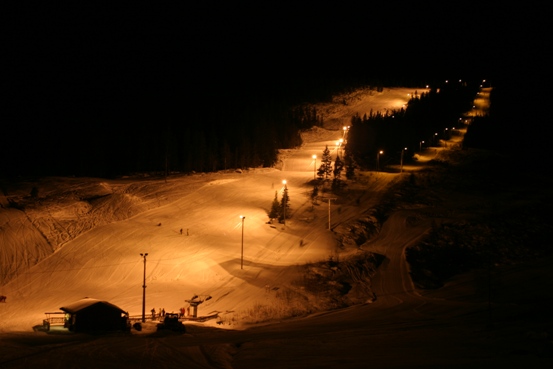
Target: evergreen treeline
(136,138)
(106,132)
(428,117)
(209,142)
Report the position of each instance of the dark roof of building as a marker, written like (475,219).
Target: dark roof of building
(86,303)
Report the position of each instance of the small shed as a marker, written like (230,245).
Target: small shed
(90,314)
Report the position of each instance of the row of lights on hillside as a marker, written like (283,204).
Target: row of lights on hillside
(379,153)
(284,182)
(243,218)
(339,144)
(447,81)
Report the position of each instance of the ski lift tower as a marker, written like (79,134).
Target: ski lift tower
(195,301)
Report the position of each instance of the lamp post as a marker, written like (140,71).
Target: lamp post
(346,130)
(420,146)
(314,166)
(242,254)
(329,200)
(401,165)
(378,160)
(144,290)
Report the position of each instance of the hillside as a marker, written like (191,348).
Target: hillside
(75,237)
(92,230)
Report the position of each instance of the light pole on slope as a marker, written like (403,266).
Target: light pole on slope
(329,200)
(378,160)
(345,129)
(401,165)
(144,290)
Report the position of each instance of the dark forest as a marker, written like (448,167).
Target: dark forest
(91,91)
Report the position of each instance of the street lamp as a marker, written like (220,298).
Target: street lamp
(378,160)
(420,145)
(242,254)
(314,165)
(144,290)
(346,129)
(401,165)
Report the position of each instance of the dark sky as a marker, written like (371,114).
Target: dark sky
(131,48)
(66,64)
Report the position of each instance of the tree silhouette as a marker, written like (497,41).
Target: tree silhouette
(325,169)
(350,166)
(338,167)
(284,205)
(274,213)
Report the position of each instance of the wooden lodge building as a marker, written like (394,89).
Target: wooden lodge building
(90,314)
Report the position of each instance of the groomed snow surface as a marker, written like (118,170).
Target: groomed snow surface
(83,237)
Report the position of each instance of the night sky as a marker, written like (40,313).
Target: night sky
(77,71)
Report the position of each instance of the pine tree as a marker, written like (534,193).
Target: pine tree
(338,167)
(350,166)
(274,213)
(336,184)
(326,165)
(284,205)
(321,172)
